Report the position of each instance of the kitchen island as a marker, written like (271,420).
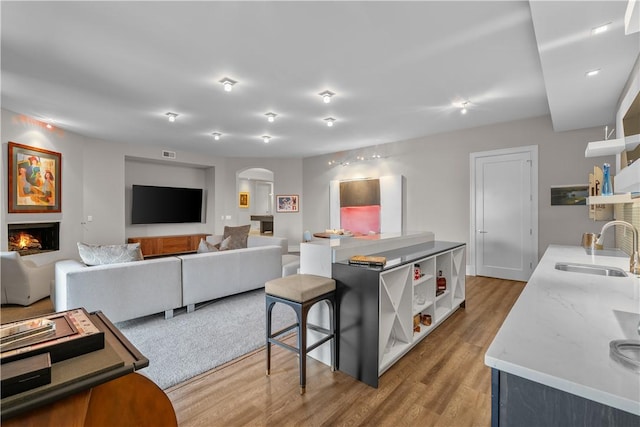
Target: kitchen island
(550,359)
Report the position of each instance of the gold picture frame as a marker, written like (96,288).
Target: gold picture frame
(34,180)
(243,199)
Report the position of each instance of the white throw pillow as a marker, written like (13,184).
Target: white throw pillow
(205,247)
(225,245)
(109,254)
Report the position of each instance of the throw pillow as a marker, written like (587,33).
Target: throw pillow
(224,245)
(109,254)
(205,247)
(239,236)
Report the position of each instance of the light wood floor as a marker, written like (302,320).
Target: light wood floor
(442,382)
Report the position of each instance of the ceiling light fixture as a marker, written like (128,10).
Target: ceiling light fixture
(227,83)
(464,107)
(271,117)
(330,121)
(326,96)
(172,117)
(600,29)
(593,73)
(266,138)
(216,136)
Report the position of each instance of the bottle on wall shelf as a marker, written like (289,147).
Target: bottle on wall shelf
(607,188)
(441,282)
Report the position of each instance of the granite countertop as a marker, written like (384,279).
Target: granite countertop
(559,329)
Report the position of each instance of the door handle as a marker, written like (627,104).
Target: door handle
(482,232)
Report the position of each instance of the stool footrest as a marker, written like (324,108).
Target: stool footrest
(319,329)
(320,342)
(284,345)
(282,331)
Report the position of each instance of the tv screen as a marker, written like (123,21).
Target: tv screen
(157,205)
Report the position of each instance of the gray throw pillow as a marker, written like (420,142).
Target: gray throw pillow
(109,254)
(205,247)
(239,236)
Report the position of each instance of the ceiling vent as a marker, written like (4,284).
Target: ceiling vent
(166,154)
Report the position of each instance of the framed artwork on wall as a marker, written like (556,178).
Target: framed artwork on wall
(34,179)
(569,195)
(243,201)
(287,203)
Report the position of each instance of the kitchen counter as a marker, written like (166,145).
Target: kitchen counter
(558,331)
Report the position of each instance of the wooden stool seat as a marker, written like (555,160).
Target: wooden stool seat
(301,292)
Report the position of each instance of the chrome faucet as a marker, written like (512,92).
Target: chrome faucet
(634,262)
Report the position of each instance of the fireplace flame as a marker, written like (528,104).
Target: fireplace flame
(25,240)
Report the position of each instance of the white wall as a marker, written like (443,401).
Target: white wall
(25,130)
(436,171)
(437,183)
(93,183)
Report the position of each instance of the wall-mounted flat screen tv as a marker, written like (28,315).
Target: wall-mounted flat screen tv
(158,205)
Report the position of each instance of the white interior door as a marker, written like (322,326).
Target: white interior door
(505,213)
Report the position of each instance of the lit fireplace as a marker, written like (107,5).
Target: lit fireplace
(34,238)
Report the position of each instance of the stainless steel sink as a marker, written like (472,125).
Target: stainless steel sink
(599,270)
(626,352)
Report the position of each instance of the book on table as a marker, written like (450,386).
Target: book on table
(368,260)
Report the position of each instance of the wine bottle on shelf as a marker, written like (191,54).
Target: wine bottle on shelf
(441,282)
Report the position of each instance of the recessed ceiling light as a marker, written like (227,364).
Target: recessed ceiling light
(228,83)
(593,73)
(172,117)
(600,29)
(271,117)
(464,107)
(216,135)
(330,121)
(266,138)
(326,96)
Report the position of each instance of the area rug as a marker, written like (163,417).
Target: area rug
(192,343)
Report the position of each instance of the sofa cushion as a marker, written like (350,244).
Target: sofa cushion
(109,254)
(205,247)
(239,236)
(224,245)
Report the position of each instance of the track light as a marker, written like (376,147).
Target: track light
(172,117)
(271,117)
(227,83)
(266,138)
(326,96)
(216,136)
(329,121)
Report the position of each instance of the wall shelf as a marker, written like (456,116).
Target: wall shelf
(610,200)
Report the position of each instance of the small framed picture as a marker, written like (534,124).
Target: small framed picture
(569,195)
(287,203)
(243,200)
(34,179)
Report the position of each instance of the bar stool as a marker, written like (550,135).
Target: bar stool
(301,292)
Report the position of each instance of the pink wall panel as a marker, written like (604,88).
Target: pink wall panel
(360,219)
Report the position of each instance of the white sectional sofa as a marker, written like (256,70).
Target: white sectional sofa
(122,291)
(134,289)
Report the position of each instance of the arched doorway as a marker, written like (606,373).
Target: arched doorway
(257,186)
